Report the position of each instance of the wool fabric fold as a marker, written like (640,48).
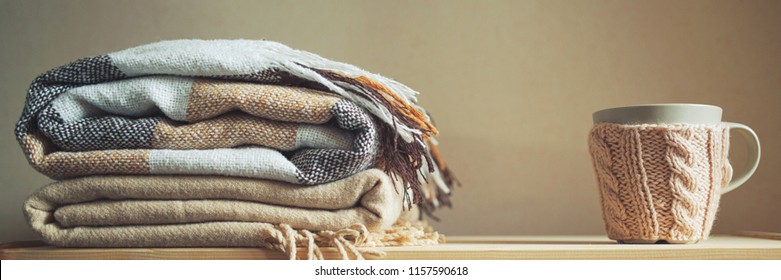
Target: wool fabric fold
(254,109)
(205,211)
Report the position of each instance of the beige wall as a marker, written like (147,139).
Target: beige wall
(512,84)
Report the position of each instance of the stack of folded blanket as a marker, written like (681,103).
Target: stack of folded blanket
(234,143)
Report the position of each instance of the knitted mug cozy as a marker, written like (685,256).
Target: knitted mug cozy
(660,181)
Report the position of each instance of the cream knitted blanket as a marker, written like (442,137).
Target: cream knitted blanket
(200,211)
(254,109)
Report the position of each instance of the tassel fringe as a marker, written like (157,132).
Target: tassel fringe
(413,161)
(354,242)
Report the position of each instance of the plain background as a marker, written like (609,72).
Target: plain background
(511,84)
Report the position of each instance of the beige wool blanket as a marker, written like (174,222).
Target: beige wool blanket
(201,211)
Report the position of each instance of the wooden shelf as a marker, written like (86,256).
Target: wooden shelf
(747,245)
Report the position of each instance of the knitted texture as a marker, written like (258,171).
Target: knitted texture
(201,211)
(255,109)
(660,182)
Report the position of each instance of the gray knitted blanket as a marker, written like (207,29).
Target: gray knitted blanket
(254,109)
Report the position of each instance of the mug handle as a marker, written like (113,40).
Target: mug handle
(753,155)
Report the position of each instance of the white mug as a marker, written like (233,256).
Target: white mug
(687,114)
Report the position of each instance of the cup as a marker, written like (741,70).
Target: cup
(661,169)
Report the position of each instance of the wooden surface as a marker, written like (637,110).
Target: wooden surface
(749,245)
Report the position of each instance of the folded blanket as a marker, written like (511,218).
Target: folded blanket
(254,109)
(114,128)
(205,211)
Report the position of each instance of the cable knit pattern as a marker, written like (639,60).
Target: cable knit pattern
(660,182)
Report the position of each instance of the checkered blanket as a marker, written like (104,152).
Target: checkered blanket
(256,109)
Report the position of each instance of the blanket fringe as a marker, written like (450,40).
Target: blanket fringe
(356,241)
(415,155)
(401,109)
